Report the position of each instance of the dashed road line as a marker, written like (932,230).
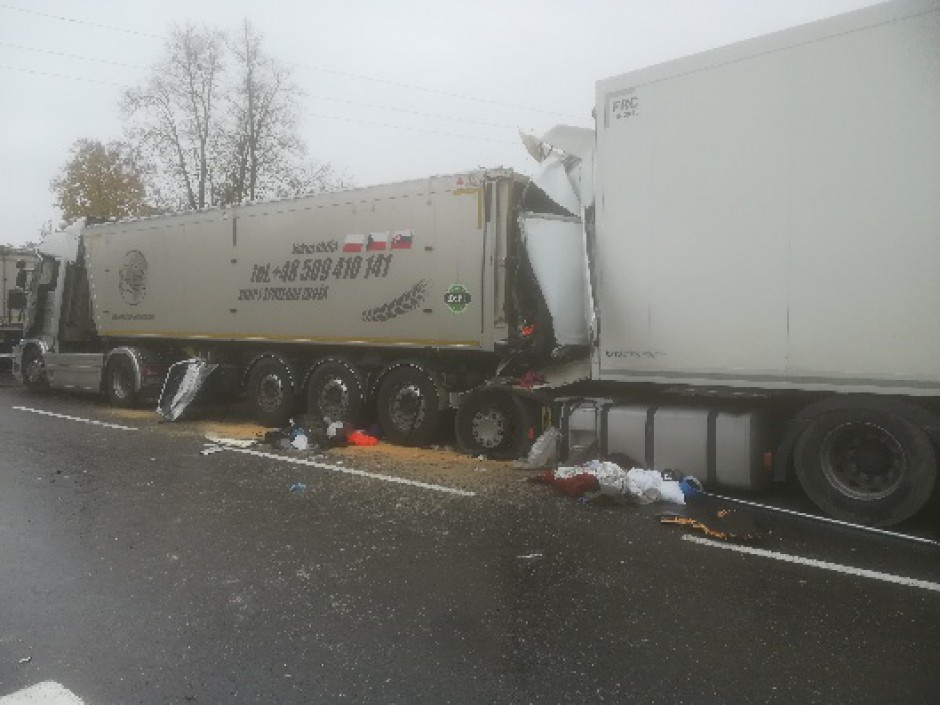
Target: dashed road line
(75,418)
(352,471)
(45,693)
(813,563)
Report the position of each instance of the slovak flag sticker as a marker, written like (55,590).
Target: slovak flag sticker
(377,242)
(402,239)
(354,243)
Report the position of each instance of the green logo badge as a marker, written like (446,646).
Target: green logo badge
(457,298)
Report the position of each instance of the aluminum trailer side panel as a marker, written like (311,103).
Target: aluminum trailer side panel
(767,213)
(396,265)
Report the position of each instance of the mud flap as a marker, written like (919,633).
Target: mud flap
(183,381)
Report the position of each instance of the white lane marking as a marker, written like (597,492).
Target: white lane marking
(45,693)
(826,520)
(75,418)
(352,471)
(825,565)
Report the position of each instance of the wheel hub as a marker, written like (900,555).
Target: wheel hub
(863,460)
(333,399)
(488,428)
(270,393)
(407,407)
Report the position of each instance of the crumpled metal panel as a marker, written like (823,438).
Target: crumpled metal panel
(553,244)
(183,381)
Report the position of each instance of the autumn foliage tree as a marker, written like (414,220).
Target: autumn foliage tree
(101,181)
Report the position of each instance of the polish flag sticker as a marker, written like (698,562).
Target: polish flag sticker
(402,239)
(354,243)
(377,242)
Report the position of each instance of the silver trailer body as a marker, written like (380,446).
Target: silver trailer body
(414,264)
(767,213)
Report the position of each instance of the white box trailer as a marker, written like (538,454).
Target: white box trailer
(767,213)
(764,237)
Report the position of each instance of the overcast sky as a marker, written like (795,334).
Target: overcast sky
(392,90)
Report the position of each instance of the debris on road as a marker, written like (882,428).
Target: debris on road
(544,452)
(298,487)
(717,523)
(25,660)
(210,449)
(234,442)
(604,479)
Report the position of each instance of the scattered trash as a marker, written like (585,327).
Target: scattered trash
(609,480)
(360,438)
(480,468)
(530,556)
(234,442)
(26,660)
(544,452)
(298,439)
(210,449)
(334,429)
(298,487)
(717,523)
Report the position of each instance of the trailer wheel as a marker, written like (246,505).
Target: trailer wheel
(34,370)
(493,423)
(119,382)
(271,392)
(866,465)
(335,392)
(409,406)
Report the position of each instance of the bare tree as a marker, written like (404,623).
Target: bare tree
(219,121)
(266,157)
(175,118)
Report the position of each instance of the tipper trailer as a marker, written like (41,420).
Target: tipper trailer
(734,272)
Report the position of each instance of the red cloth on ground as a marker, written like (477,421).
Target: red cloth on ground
(573,486)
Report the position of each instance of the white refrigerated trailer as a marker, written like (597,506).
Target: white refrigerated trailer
(764,234)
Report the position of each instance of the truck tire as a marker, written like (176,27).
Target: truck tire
(271,392)
(336,392)
(34,371)
(409,406)
(866,465)
(493,423)
(119,382)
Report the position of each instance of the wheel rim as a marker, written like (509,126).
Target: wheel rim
(120,382)
(333,399)
(488,428)
(270,395)
(407,407)
(34,370)
(863,460)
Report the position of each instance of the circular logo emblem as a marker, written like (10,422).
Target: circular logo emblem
(133,277)
(457,298)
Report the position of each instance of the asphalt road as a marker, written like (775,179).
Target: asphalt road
(134,569)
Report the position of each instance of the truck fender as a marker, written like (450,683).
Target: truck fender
(926,420)
(134,355)
(290,366)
